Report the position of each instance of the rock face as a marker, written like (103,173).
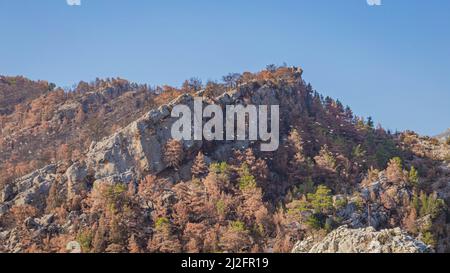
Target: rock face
(381,199)
(444,135)
(31,189)
(11,239)
(364,240)
(137,150)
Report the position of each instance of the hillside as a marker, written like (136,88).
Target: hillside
(115,181)
(444,136)
(49,126)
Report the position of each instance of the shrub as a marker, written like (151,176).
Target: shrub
(340,203)
(321,200)
(314,222)
(220,168)
(429,239)
(173,153)
(298,206)
(428,204)
(220,207)
(237,226)
(394,170)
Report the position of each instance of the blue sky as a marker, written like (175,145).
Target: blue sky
(391,62)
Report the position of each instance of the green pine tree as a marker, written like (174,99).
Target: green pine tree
(414,177)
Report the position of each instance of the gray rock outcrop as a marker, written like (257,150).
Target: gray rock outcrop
(364,240)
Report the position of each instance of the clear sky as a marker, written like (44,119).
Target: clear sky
(391,62)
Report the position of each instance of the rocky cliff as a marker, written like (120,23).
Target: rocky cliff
(332,169)
(130,154)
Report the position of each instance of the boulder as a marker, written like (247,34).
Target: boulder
(76,179)
(7,193)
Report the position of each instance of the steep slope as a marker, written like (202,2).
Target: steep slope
(138,191)
(56,125)
(17,90)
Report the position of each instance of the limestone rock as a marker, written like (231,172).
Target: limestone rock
(7,193)
(364,240)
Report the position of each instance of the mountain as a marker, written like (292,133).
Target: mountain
(115,181)
(17,90)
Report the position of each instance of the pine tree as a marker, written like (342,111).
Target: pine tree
(321,200)
(326,159)
(194,236)
(199,168)
(150,190)
(217,180)
(147,187)
(246,179)
(257,166)
(53,199)
(213,185)
(115,248)
(394,170)
(117,231)
(372,176)
(99,241)
(297,169)
(249,157)
(211,239)
(410,221)
(370,123)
